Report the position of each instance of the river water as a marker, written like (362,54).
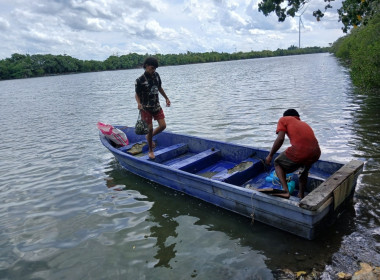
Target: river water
(69,211)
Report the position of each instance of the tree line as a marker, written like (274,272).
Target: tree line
(37,65)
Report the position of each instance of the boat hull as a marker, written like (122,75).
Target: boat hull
(227,190)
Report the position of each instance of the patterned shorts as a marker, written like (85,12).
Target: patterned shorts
(147,116)
(288,165)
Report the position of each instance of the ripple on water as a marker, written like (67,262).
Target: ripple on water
(69,209)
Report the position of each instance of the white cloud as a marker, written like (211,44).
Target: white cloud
(256,31)
(4,24)
(96,29)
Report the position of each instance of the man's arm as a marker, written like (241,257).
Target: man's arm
(139,106)
(161,90)
(276,146)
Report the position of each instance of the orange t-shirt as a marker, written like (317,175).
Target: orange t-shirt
(304,145)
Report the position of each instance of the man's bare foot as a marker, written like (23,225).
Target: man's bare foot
(151,155)
(283,195)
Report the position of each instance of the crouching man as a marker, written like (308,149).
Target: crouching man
(303,152)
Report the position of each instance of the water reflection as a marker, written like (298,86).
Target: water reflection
(162,217)
(178,223)
(278,249)
(165,227)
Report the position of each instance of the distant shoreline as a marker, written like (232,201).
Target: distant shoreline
(20,66)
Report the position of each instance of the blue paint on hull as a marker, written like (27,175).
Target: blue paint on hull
(223,174)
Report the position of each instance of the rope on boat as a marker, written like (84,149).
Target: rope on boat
(253,193)
(253,209)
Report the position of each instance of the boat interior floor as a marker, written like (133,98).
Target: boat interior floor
(249,173)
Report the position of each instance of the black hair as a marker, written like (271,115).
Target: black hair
(291,112)
(152,61)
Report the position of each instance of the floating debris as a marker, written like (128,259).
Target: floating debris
(344,276)
(300,273)
(367,272)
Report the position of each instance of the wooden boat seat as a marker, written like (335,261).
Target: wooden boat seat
(339,185)
(168,153)
(241,173)
(199,161)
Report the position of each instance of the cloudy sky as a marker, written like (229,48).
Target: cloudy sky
(96,29)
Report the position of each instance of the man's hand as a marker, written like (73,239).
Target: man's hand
(276,146)
(268,160)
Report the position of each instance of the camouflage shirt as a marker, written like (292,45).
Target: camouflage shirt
(146,88)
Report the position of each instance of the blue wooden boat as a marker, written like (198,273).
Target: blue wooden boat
(235,177)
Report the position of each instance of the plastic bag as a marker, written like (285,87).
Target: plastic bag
(272,178)
(114,134)
(141,127)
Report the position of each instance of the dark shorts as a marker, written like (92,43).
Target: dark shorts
(288,165)
(147,116)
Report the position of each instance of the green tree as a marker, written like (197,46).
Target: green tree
(112,63)
(352,13)
(4,70)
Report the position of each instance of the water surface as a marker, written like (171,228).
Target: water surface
(68,210)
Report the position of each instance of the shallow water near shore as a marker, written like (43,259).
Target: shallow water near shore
(68,210)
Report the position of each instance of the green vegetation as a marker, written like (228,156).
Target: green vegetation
(360,50)
(353,13)
(26,66)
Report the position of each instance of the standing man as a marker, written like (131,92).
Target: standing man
(303,152)
(147,87)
